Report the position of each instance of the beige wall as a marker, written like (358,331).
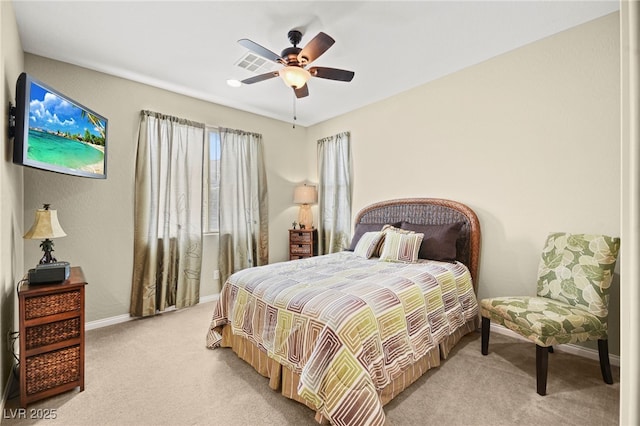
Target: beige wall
(11,251)
(530,140)
(97,215)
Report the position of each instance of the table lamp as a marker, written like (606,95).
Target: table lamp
(45,226)
(305,195)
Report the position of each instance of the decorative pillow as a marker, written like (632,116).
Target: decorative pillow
(401,247)
(368,244)
(439,242)
(394,228)
(361,228)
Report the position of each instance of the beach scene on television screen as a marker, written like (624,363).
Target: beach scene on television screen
(63,134)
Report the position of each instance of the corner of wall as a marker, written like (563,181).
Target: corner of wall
(11,191)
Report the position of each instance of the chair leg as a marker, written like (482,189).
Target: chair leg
(605,367)
(542,362)
(486,326)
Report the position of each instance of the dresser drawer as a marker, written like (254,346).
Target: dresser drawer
(300,238)
(51,304)
(53,332)
(52,369)
(300,249)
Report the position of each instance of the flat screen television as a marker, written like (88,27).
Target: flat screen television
(56,133)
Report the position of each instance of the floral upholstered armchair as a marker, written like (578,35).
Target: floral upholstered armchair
(574,277)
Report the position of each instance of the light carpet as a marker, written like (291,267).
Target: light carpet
(157,371)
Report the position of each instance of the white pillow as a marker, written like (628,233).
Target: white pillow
(401,247)
(368,244)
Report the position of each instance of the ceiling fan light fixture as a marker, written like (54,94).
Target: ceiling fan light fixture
(293,76)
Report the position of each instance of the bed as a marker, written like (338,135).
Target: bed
(344,333)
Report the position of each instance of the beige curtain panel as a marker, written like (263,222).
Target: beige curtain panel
(244,219)
(168,214)
(334,193)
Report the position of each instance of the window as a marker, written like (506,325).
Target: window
(212,183)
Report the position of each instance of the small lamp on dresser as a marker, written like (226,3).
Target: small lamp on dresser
(45,226)
(305,195)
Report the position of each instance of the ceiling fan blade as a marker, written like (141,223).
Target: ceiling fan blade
(302,92)
(259,50)
(260,77)
(316,47)
(332,73)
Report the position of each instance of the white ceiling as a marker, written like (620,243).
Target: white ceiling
(191,47)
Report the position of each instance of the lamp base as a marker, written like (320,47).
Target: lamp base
(47,258)
(305,217)
(47,248)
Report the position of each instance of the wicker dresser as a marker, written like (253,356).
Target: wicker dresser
(51,337)
(303,243)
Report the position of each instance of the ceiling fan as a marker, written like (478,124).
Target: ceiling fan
(294,73)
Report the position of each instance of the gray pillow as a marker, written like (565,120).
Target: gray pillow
(439,242)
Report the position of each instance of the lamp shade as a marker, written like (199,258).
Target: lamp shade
(46,225)
(294,76)
(305,194)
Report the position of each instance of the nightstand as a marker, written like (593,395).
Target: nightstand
(303,243)
(51,337)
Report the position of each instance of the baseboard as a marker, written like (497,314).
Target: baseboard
(569,348)
(92,325)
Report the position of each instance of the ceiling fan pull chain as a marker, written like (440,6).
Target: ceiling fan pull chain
(294,111)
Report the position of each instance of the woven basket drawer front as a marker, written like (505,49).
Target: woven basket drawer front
(50,304)
(306,249)
(302,237)
(52,369)
(53,332)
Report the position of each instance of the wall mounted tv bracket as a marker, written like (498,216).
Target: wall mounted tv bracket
(12,120)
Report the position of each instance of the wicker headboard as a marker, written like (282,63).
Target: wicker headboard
(432,211)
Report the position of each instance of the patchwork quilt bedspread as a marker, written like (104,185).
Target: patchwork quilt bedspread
(347,325)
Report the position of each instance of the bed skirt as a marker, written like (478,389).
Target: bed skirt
(285,380)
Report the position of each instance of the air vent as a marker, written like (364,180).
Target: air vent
(256,64)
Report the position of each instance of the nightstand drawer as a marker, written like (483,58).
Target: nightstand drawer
(53,332)
(52,369)
(300,249)
(300,238)
(51,304)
